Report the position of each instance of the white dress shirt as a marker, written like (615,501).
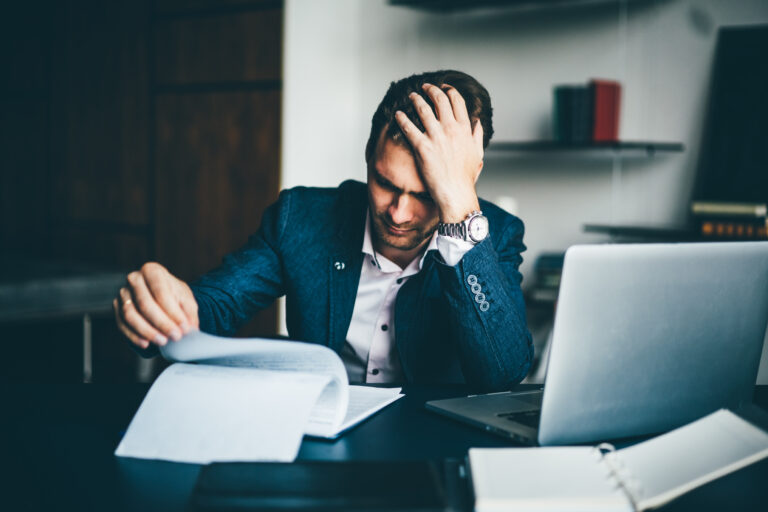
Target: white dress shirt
(370,354)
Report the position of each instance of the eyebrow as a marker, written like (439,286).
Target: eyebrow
(424,196)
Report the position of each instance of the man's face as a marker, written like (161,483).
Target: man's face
(402,211)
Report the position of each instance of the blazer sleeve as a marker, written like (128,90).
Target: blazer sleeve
(488,311)
(249,279)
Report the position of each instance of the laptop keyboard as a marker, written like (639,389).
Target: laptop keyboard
(527,418)
(529,398)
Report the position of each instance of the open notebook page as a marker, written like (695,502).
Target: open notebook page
(674,463)
(543,479)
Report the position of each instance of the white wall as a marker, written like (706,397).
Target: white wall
(340,56)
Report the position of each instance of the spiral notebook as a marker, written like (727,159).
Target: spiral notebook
(640,477)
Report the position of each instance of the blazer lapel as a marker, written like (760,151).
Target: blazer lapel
(344,269)
(345,264)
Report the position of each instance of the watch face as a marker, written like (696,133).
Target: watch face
(478,228)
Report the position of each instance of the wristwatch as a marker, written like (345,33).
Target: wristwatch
(473,229)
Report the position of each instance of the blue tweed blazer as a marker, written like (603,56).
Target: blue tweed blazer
(309,248)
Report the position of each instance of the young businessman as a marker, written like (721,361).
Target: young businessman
(410,278)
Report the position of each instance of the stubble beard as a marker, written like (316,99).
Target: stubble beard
(408,242)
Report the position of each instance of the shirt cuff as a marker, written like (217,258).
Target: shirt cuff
(452,249)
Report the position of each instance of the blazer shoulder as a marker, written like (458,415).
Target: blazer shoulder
(314,201)
(315,214)
(501,222)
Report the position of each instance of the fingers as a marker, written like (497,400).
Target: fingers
(151,309)
(427,116)
(188,304)
(458,105)
(412,133)
(125,329)
(164,290)
(442,104)
(130,315)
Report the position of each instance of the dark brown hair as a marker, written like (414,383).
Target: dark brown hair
(475,96)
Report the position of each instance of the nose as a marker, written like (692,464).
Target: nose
(401,209)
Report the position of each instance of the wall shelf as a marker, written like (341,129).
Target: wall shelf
(624,148)
(646,233)
(447,6)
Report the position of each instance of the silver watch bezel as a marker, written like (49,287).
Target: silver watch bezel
(461,230)
(468,232)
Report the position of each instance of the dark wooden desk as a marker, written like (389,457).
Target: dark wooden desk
(57,445)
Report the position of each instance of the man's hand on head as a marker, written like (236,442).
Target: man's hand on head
(449,152)
(154,307)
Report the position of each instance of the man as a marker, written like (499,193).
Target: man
(411,278)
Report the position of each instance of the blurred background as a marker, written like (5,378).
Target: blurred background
(160,130)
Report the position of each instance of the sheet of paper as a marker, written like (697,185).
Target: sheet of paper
(674,463)
(543,479)
(364,401)
(201,413)
(274,355)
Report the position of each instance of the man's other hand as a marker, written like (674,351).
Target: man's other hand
(449,152)
(154,306)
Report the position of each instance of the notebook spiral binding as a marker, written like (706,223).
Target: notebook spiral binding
(618,473)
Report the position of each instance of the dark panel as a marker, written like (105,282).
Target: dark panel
(25,48)
(102,117)
(733,164)
(183,7)
(113,358)
(25,41)
(103,245)
(227,48)
(43,351)
(24,193)
(217,169)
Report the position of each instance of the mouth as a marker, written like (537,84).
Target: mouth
(396,231)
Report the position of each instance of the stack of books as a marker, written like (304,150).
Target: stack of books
(585,114)
(731,220)
(548,272)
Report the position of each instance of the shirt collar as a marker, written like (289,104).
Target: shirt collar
(370,251)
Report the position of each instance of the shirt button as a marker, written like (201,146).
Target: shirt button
(399,280)
(384,327)
(375,371)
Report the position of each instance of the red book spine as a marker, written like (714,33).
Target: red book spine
(607,103)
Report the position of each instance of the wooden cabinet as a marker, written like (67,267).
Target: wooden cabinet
(136,131)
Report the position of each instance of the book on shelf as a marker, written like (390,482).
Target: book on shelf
(573,114)
(246,400)
(734,220)
(736,229)
(587,113)
(639,477)
(548,270)
(729,209)
(607,104)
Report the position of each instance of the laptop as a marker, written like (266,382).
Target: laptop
(647,337)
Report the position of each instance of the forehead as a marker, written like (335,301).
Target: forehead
(394,162)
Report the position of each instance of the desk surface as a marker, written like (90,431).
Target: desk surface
(57,445)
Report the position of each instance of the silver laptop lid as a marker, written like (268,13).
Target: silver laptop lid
(649,337)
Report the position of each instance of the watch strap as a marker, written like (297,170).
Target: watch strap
(457,229)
